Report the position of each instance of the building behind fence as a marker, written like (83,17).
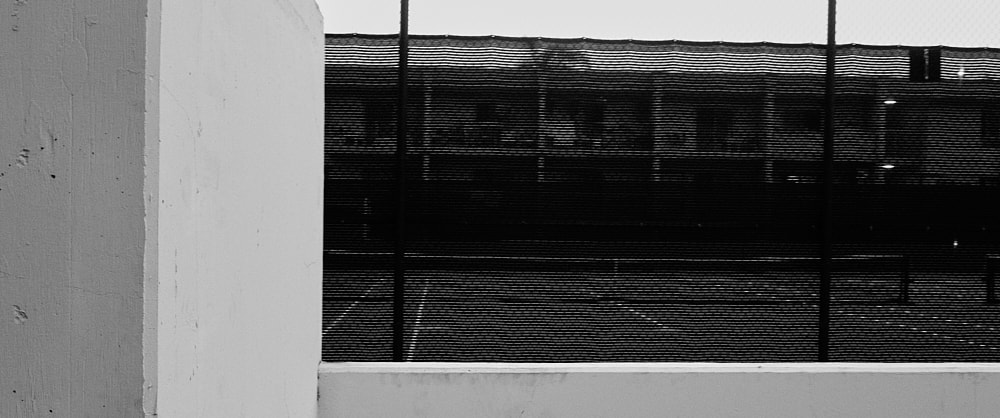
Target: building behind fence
(663,130)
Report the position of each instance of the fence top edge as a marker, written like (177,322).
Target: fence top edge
(393,37)
(542,368)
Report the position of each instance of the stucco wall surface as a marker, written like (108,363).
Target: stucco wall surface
(71,209)
(239,202)
(659,390)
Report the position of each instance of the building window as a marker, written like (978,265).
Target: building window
(991,127)
(804,113)
(593,120)
(807,119)
(380,121)
(713,126)
(486,112)
(925,64)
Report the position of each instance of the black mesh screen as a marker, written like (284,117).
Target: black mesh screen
(929,194)
(586,200)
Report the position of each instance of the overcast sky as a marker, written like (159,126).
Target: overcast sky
(883,22)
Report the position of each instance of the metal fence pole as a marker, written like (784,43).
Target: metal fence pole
(399,277)
(826,225)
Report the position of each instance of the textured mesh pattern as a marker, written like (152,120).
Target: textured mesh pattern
(589,200)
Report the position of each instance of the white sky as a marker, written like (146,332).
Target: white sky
(882,22)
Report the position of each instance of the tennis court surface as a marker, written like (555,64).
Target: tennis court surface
(606,307)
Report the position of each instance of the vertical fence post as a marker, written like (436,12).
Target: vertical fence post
(826,225)
(399,278)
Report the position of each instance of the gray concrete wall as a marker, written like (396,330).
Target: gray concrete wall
(658,390)
(71,207)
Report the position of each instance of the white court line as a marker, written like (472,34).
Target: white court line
(839,311)
(349,308)
(908,312)
(912,328)
(412,349)
(939,318)
(665,327)
(643,316)
(843,312)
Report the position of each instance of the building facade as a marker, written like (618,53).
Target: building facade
(520,131)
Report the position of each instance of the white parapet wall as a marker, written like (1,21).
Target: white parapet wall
(360,390)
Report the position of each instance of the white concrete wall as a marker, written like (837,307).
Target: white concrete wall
(71,209)
(160,207)
(240,208)
(659,390)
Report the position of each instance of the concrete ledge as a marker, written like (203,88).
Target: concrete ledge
(658,389)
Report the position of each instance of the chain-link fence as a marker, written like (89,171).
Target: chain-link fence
(586,200)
